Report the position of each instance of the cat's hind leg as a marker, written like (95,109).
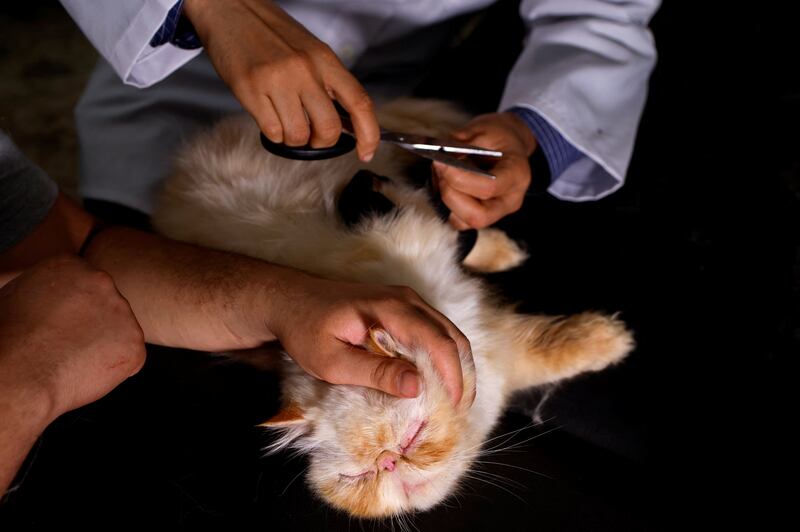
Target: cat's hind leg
(547,349)
(493,252)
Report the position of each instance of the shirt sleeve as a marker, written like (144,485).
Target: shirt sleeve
(122,32)
(583,72)
(176,29)
(26,194)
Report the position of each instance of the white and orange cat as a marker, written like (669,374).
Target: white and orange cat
(370,454)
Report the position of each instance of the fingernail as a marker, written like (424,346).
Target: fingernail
(367,157)
(408,384)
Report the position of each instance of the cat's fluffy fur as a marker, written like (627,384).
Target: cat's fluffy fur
(228,193)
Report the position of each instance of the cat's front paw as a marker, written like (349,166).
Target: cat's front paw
(494,252)
(603,340)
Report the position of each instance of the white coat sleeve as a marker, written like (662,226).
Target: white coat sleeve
(584,69)
(121,31)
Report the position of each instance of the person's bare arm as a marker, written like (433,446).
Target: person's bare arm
(67,337)
(197,298)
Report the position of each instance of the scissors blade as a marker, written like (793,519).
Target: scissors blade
(452,153)
(421,142)
(459,160)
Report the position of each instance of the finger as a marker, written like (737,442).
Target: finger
(268,121)
(356,101)
(464,135)
(434,179)
(475,185)
(471,211)
(353,365)
(470,133)
(432,336)
(262,109)
(458,223)
(293,119)
(464,348)
(325,123)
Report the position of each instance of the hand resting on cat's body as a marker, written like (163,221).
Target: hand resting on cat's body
(371,454)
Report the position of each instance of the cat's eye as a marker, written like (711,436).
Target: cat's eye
(357,476)
(411,440)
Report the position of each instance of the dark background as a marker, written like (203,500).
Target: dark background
(698,251)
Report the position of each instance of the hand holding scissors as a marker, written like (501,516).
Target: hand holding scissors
(449,152)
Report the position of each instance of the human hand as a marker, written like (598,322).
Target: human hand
(67,337)
(325,323)
(476,201)
(282,74)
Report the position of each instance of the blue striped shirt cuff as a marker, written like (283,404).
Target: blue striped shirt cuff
(560,154)
(177,30)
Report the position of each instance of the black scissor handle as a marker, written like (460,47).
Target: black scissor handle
(345,144)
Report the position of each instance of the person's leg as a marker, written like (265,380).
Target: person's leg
(128,136)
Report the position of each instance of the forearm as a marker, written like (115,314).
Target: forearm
(186,296)
(21,424)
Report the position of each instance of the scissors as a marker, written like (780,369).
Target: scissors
(449,152)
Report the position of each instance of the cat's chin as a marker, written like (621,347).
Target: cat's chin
(390,493)
(411,494)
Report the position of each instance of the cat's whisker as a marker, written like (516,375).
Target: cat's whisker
(499,478)
(513,433)
(508,435)
(293,479)
(515,467)
(519,444)
(499,486)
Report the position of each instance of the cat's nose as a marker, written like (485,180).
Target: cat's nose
(387,461)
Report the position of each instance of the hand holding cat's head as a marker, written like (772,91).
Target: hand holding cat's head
(372,454)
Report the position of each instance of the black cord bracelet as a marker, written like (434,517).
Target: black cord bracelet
(98,228)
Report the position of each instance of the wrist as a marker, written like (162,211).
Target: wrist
(194,11)
(25,410)
(22,424)
(276,301)
(521,131)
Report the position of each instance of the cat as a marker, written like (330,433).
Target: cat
(370,454)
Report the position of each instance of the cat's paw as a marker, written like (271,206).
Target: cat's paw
(607,340)
(493,252)
(588,342)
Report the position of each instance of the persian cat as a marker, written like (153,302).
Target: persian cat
(370,454)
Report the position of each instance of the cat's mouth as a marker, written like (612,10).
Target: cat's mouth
(410,488)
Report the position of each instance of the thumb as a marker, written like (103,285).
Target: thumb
(468,133)
(391,375)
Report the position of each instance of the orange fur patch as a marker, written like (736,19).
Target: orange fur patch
(359,498)
(494,251)
(289,414)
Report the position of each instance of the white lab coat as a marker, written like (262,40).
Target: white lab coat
(584,67)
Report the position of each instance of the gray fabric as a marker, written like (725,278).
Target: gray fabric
(129,136)
(26,194)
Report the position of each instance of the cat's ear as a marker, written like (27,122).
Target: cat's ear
(382,342)
(290,415)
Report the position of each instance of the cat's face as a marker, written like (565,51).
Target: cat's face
(374,455)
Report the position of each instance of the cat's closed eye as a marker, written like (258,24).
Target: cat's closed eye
(357,476)
(413,437)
